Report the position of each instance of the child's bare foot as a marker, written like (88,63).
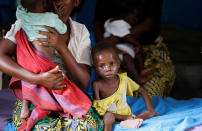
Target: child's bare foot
(147,114)
(131,123)
(24,113)
(146,72)
(25,110)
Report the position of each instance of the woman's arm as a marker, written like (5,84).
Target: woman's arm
(79,73)
(50,79)
(142,28)
(151,18)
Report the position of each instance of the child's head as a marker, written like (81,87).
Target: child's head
(38,6)
(105,60)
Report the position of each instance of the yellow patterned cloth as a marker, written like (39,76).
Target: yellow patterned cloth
(162,80)
(54,122)
(117,103)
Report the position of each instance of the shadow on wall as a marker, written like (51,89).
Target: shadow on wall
(186,13)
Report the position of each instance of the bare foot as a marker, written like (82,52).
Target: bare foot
(147,114)
(25,110)
(131,123)
(147,71)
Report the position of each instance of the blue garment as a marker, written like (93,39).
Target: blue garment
(31,22)
(10,127)
(175,115)
(86,15)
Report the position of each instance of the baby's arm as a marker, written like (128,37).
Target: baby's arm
(130,39)
(150,112)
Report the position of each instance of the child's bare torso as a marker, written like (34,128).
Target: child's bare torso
(107,89)
(43,49)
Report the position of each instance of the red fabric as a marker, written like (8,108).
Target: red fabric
(66,101)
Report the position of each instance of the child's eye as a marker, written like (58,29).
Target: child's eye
(111,63)
(101,66)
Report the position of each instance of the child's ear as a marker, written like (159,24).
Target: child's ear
(76,3)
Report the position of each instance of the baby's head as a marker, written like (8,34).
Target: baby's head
(38,6)
(105,60)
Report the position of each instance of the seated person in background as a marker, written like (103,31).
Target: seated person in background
(33,14)
(131,56)
(111,89)
(147,32)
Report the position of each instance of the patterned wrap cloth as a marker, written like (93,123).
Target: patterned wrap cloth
(162,80)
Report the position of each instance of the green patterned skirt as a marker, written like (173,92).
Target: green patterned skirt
(162,80)
(54,122)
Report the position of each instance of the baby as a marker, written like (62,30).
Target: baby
(111,89)
(33,14)
(119,26)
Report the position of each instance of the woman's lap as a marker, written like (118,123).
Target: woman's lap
(162,80)
(93,122)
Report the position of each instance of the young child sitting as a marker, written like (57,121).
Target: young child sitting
(119,26)
(111,89)
(33,57)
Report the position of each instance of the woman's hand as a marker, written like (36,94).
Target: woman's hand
(52,79)
(54,39)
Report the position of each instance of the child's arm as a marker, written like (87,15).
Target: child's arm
(150,112)
(96,90)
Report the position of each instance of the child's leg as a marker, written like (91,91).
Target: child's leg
(109,120)
(129,65)
(128,121)
(25,109)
